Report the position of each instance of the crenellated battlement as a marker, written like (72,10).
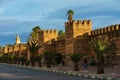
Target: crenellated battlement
(106,29)
(78,28)
(47,35)
(79,22)
(49,31)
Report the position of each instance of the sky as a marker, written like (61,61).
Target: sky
(20,16)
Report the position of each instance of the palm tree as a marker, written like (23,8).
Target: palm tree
(33,46)
(99,46)
(5,58)
(61,33)
(70,14)
(10,58)
(15,60)
(110,52)
(38,59)
(58,58)
(48,58)
(23,60)
(75,57)
(1,51)
(34,33)
(36,29)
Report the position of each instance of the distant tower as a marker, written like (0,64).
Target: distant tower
(17,39)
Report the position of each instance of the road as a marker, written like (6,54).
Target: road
(16,73)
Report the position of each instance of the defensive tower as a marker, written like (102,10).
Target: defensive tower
(74,29)
(47,35)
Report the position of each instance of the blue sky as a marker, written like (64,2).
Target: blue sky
(20,16)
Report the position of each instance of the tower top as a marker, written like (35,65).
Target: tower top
(17,39)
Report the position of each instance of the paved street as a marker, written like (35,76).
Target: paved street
(15,73)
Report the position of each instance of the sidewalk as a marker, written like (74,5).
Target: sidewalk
(90,72)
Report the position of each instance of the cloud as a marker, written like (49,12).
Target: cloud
(103,21)
(1,10)
(20,16)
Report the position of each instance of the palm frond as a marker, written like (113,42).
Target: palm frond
(75,57)
(33,46)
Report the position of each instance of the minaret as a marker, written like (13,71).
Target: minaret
(17,39)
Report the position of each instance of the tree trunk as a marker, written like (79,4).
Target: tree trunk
(39,64)
(70,18)
(33,63)
(100,68)
(48,65)
(76,67)
(27,63)
(22,63)
(63,62)
(18,62)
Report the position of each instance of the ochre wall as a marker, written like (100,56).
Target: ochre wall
(111,32)
(76,40)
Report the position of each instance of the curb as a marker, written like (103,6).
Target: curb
(69,73)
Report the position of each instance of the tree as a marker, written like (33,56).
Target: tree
(75,57)
(99,46)
(70,14)
(15,59)
(4,58)
(61,33)
(58,58)
(1,50)
(34,33)
(48,58)
(36,29)
(0,59)
(23,60)
(10,58)
(33,46)
(110,52)
(38,59)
